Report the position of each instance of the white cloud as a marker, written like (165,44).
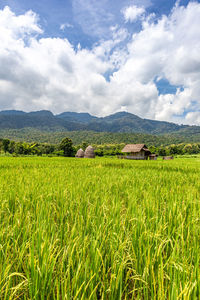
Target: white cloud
(49,73)
(193,117)
(132,13)
(168,49)
(93,16)
(18,26)
(65,25)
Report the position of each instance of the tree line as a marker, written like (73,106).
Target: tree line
(66,148)
(32,135)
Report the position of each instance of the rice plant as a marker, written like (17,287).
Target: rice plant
(99,229)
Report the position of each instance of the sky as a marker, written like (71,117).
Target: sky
(102,57)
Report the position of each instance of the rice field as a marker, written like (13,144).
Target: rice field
(99,229)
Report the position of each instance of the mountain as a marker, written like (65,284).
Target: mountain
(76,117)
(70,121)
(39,119)
(127,122)
(12,112)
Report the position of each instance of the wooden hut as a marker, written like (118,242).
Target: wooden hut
(89,152)
(153,156)
(136,151)
(168,157)
(80,153)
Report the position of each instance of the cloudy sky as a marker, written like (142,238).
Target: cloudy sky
(101,57)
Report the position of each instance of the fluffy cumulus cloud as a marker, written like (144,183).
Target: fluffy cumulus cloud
(50,73)
(132,13)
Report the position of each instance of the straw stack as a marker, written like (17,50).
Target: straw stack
(89,152)
(80,153)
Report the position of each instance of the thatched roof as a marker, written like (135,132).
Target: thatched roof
(135,148)
(80,153)
(89,152)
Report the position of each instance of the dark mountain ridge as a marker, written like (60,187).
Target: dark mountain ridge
(72,121)
(77,117)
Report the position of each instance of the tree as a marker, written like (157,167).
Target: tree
(188,149)
(84,145)
(19,149)
(67,146)
(5,144)
(161,151)
(11,147)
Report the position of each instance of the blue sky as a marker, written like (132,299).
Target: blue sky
(101,57)
(85,15)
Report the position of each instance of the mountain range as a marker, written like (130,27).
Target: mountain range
(72,121)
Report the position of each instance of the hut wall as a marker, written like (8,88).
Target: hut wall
(137,155)
(153,157)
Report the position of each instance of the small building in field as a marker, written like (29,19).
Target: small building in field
(168,157)
(153,156)
(136,151)
(89,152)
(80,153)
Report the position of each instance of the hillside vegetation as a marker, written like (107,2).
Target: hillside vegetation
(32,135)
(69,121)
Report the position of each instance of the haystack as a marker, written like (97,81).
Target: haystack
(80,153)
(89,152)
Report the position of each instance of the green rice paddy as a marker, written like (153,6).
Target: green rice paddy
(99,229)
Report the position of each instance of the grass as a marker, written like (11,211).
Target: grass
(99,229)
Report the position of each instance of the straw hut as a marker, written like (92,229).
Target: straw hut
(80,153)
(89,152)
(168,157)
(136,151)
(153,156)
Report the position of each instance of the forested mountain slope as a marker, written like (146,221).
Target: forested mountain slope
(70,121)
(92,137)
